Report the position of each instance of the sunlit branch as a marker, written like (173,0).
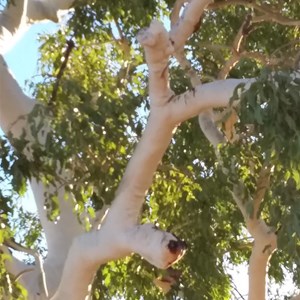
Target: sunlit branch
(38,260)
(188,23)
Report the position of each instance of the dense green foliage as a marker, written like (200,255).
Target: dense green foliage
(98,114)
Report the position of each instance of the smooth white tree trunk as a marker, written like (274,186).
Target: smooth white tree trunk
(74,255)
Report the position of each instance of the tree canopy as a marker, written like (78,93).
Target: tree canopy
(93,94)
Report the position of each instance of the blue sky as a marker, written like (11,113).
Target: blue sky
(22,61)
(22,58)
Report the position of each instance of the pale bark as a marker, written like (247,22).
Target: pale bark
(265,239)
(73,255)
(89,250)
(15,19)
(265,243)
(14,107)
(13,103)
(165,115)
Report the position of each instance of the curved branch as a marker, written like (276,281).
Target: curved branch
(47,10)
(188,23)
(13,102)
(276,18)
(16,18)
(38,261)
(15,266)
(92,249)
(269,14)
(209,128)
(12,19)
(20,271)
(65,58)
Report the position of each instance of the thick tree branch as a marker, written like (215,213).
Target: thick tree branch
(265,243)
(47,10)
(205,118)
(92,249)
(175,14)
(119,235)
(15,19)
(188,22)
(13,102)
(14,106)
(265,239)
(12,19)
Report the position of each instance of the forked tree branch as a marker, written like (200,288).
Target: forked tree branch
(120,234)
(187,23)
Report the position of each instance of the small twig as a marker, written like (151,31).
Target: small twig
(38,260)
(276,18)
(14,245)
(20,274)
(236,289)
(286,46)
(70,46)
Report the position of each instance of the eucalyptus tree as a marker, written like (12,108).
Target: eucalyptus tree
(108,151)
